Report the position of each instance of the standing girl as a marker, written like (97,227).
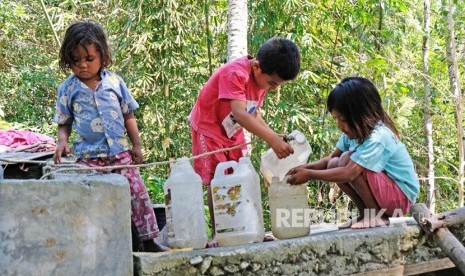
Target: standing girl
(99,105)
(370,164)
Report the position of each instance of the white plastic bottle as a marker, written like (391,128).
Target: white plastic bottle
(237,203)
(288,209)
(272,166)
(185,215)
(256,191)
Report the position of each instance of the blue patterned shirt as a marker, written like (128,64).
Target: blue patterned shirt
(97,116)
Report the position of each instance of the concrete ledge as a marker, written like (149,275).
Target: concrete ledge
(72,225)
(342,252)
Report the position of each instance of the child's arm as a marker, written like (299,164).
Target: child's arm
(321,164)
(63,131)
(133,132)
(317,171)
(261,129)
(259,117)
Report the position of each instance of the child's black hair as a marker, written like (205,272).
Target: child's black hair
(358,100)
(280,56)
(83,33)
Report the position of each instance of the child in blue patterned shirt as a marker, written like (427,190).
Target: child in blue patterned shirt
(99,105)
(370,164)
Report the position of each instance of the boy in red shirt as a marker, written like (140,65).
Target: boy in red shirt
(229,102)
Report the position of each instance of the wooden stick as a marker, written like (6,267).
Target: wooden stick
(442,236)
(454,217)
(447,219)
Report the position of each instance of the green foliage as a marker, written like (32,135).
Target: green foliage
(154,185)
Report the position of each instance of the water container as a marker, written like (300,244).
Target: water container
(185,215)
(271,165)
(258,203)
(237,203)
(289,209)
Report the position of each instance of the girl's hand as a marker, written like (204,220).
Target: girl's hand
(304,166)
(297,175)
(137,156)
(63,147)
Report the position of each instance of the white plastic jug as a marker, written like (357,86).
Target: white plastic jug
(271,165)
(289,209)
(237,203)
(185,215)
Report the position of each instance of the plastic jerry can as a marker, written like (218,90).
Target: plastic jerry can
(272,166)
(237,203)
(185,215)
(288,205)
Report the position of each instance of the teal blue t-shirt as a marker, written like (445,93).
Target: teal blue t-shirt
(383,151)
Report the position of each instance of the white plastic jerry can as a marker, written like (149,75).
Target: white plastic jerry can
(272,166)
(185,215)
(237,203)
(288,209)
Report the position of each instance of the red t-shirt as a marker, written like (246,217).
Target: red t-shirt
(211,115)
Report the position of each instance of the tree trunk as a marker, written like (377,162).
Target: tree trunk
(430,198)
(456,91)
(237,40)
(237,28)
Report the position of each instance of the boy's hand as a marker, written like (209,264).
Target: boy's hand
(137,156)
(63,147)
(281,148)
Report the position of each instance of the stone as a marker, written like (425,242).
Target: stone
(256,267)
(231,268)
(206,265)
(196,260)
(215,271)
(304,256)
(244,265)
(76,225)
(341,252)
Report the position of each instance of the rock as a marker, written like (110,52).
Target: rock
(215,271)
(196,260)
(231,268)
(244,265)
(256,267)
(206,265)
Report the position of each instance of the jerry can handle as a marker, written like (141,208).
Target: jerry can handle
(221,168)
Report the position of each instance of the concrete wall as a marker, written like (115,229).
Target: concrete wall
(72,225)
(343,252)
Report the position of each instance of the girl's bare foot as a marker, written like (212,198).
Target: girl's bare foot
(350,222)
(268,238)
(212,243)
(370,223)
(153,246)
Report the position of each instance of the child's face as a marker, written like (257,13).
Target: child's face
(86,62)
(342,124)
(266,81)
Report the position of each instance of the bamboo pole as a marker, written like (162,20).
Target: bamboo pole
(57,40)
(442,236)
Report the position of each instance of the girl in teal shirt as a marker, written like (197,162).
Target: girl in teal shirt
(370,164)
